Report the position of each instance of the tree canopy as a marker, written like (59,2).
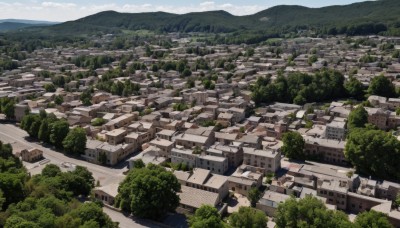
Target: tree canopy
(248,217)
(149,192)
(75,142)
(293,145)
(206,216)
(382,86)
(357,118)
(374,152)
(308,212)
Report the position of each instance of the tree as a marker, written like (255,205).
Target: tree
(206,216)
(248,217)
(254,196)
(50,87)
(293,145)
(354,88)
(59,130)
(75,142)
(149,192)
(51,170)
(44,131)
(374,152)
(382,86)
(371,219)
(308,212)
(58,100)
(7,107)
(357,118)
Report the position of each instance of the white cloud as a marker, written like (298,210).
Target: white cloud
(62,5)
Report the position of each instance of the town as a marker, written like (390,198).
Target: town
(237,125)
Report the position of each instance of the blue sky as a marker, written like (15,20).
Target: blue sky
(64,10)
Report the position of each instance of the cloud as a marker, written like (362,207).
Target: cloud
(62,5)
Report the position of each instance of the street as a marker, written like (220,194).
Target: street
(16,137)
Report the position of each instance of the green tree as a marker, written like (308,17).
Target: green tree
(370,219)
(382,86)
(149,192)
(357,118)
(58,100)
(374,152)
(51,170)
(293,145)
(75,142)
(354,88)
(248,217)
(50,87)
(7,107)
(308,212)
(206,216)
(254,196)
(59,130)
(44,131)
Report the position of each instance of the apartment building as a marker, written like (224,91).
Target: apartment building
(244,178)
(269,160)
(218,165)
(336,130)
(328,150)
(232,153)
(165,146)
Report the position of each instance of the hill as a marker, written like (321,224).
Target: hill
(33,22)
(11,26)
(369,17)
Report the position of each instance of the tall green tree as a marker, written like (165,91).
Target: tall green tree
(374,152)
(253,196)
(248,217)
(357,118)
(75,142)
(149,192)
(354,88)
(206,216)
(308,212)
(382,86)
(370,219)
(293,145)
(59,130)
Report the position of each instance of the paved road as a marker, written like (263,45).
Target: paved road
(17,137)
(128,222)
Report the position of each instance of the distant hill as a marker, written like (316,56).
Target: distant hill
(15,24)
(355,19)
(33,22)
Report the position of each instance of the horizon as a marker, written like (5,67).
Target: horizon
(59,12)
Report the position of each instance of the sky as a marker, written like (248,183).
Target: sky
(65,10)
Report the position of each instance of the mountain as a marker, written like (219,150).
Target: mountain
(368,17)
(32,22)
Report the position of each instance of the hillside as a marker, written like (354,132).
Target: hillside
(355,19)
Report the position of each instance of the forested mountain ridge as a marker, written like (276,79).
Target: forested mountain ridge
(368,17)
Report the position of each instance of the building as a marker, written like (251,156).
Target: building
(205,180)
(232,153)
(328,150)
(336,130)
(116,136)
(270,201)
(192,199)
(31,155)
(106,194)
(245,178)
(165,146)
(215,164)
(269,160)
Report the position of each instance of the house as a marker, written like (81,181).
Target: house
(270,201)
(192,199)
(149,155)
(106,194)
(252,141)
(31,155)
(205,180)
(218,165)
(269,160)
(245,178)
(116,136)
(165,146)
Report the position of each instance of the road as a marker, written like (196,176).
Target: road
(128,222)
(17,138)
